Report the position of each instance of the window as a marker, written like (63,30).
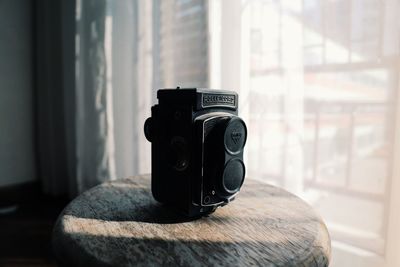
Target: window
(180,43)
(319,82)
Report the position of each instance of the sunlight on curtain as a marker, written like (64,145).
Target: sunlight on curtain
(125,51)
(94,105)
(155,44)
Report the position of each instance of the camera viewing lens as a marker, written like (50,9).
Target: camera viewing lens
(235,135)
(233,176)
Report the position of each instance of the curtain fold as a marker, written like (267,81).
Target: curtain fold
(94,92)
(94,111)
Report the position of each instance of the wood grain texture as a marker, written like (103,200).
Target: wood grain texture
(120,224)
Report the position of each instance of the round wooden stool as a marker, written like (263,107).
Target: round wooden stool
(119,223)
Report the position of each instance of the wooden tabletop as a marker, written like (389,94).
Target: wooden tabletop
(119,223)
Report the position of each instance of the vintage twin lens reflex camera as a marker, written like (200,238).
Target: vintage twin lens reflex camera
(197,149)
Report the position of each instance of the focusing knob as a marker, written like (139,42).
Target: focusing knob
(148,129)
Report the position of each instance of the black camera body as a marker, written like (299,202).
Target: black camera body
(197,149)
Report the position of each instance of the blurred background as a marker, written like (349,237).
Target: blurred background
(318,82)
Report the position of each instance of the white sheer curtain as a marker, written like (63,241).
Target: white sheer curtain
(125,51)
(318,84)
(94,105)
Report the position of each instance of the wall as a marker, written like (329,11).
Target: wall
(16,93)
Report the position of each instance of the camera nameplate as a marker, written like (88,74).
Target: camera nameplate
(218,100)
